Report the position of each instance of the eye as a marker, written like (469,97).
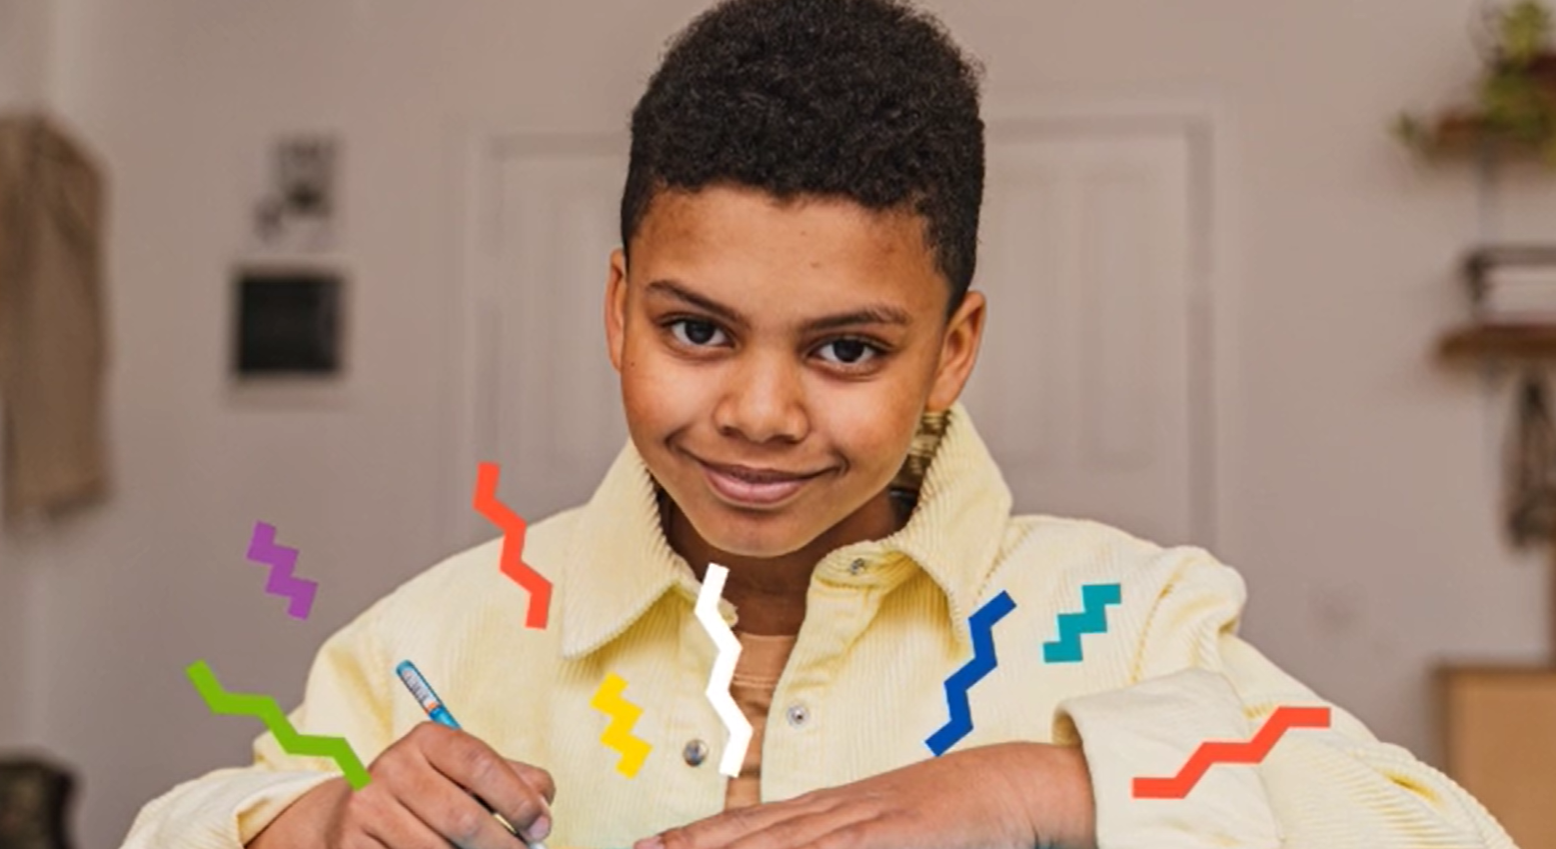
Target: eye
(850,352)
(693,332)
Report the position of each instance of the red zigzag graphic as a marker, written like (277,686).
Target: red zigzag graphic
(1251,752)
(513,565)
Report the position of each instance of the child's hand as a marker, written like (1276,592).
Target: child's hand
(1009,796)
(420,797)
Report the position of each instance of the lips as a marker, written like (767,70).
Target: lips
(749,486)
(759,476)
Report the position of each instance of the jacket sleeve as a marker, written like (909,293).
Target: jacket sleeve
(1196,681)
(347,695)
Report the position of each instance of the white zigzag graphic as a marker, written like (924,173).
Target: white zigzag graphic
(723,670)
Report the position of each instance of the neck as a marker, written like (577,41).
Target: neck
(769,592)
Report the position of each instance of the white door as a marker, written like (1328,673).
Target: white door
(1083,388)
(539,395)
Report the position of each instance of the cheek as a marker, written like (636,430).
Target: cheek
(655,388)
(872,429)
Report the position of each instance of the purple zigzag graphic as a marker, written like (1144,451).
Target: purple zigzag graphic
(282,561)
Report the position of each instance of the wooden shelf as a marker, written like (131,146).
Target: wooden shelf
(1499,341)
(1464,134)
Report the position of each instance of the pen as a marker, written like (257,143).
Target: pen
(438,713)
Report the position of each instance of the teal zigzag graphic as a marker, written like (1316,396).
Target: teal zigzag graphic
(1092,619)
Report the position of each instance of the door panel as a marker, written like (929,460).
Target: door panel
(1083,386)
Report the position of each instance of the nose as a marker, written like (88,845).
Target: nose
(764,402)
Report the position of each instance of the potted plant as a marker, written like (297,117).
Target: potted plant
(1516,103)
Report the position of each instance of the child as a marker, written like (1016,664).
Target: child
(791,318)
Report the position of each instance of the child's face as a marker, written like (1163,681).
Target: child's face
(800,341)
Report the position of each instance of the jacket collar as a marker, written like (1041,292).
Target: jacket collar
(619,562)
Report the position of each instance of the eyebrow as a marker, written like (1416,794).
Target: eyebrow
(874,314)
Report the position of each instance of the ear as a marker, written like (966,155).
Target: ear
(958,352)
(616,307)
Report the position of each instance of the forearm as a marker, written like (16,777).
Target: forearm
(1054,789)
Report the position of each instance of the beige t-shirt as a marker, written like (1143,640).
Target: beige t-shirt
(761,662)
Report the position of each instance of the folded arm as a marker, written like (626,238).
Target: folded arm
(1321,787)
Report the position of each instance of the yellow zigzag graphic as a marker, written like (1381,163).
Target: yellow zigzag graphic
(618,734)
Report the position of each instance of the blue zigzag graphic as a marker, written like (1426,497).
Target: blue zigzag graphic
(982,663)
(1093,619)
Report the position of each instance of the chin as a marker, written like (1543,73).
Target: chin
(747,534)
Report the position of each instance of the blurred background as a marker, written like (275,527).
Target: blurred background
(350,248)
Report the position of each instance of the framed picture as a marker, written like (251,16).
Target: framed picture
(288,320)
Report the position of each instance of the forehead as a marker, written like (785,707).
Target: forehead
(743,242)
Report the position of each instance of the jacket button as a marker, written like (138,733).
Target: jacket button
(695,753)
(798,715)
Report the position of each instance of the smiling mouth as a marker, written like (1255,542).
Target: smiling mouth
(754,487)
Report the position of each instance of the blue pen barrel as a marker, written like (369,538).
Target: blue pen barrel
(429,701)
(441,716)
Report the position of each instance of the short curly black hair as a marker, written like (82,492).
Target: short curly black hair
(868,100)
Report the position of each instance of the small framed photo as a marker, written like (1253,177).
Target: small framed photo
(300,212)
(288,321)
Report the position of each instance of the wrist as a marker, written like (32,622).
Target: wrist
(1058,796)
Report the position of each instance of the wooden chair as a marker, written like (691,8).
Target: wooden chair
(1500,743)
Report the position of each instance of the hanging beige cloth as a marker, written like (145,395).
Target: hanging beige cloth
(52,345)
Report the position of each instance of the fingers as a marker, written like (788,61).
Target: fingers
(801,821)
(426,794)
(537,778)
(475,767)
(393,826)
(436,804)
(724,828)
(375,817)
(832,829)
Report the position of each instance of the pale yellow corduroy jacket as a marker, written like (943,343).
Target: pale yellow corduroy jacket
(887,622)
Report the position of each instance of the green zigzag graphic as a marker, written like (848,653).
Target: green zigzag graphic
(265,708)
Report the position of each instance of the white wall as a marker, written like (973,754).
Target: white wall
(1356,480)
(24,41)
(12,648)
(15,731)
